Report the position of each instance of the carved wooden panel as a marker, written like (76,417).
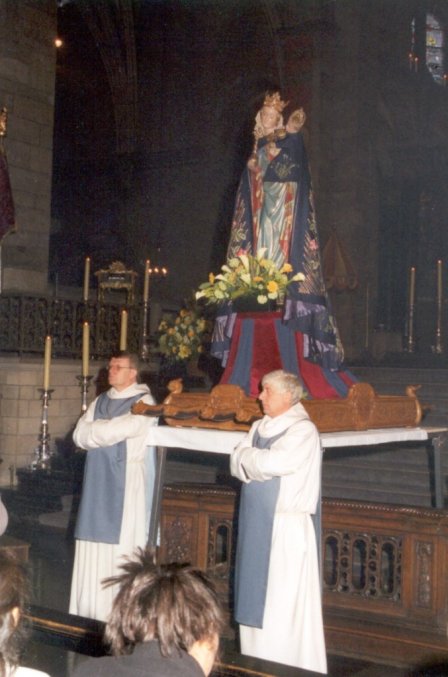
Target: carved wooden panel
(424,579)
(384,568)
(364,564)
(179,538)
(226,407)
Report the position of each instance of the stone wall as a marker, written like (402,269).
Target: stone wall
(27,80)
(21,409)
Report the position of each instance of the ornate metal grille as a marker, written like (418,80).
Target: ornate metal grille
(364,564)
(26,320)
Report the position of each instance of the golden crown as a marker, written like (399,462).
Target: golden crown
(275,101)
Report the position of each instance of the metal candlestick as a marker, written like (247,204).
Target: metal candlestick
(144,353)
(42,452)
(84,383)
(438,348)
(411,345)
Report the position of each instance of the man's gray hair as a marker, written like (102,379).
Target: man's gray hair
(284,382)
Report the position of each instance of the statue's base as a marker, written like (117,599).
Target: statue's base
(262,343)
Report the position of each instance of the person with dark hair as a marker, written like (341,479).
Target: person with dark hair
(277,582)
(14,586)
(165,622)
(113,516)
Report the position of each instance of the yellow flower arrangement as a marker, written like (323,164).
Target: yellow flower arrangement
(249,276)
(181,339)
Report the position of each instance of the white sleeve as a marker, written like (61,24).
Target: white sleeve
(236,466)
(92,434)
(285,457)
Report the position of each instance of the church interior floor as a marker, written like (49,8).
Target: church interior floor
(51,568)
(51,561)
(58,662)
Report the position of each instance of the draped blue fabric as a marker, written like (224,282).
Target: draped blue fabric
(255,524)
(274,346)
(243,362)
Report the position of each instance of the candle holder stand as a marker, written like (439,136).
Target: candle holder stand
(42,452)
(410,343)
(438,348)
(144,352)
(85,313)
(84,384)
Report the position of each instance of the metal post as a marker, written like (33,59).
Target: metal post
(156,507)
(42,452)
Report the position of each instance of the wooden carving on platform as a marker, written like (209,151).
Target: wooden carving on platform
(227,407)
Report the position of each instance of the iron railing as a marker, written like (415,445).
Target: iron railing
(26,320)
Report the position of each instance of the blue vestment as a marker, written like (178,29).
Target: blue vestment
(101,508)
(255,525)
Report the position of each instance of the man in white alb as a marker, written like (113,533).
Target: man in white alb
(113,516)
(277,581)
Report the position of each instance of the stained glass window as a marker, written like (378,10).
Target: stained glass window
(434,48)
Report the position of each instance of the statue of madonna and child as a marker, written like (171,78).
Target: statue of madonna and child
(274,210)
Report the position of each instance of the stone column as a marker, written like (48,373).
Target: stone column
(27,82)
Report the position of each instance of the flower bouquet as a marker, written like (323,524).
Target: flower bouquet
(181,339)
(250,282)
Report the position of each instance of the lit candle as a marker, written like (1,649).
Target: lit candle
(85,348)
(367,316)
(146,282)
(439,281)
(412,287)
(416,63)
(123,329)
(85,293)
(410,56)
(47,362)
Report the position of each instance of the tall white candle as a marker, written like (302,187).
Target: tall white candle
(47,362)
(367,315)
(124,329)
(412,287)
(85,348)
(439,281)
(146,282)
(85,291)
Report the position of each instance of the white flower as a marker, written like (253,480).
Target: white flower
(244,260)
(261,252)
(261,299)
(298,277)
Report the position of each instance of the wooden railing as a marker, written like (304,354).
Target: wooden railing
(385,578)
(384,569)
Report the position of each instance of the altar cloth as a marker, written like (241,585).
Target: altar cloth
(224,441)
(209,440)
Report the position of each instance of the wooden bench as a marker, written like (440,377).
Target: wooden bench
(20,548)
